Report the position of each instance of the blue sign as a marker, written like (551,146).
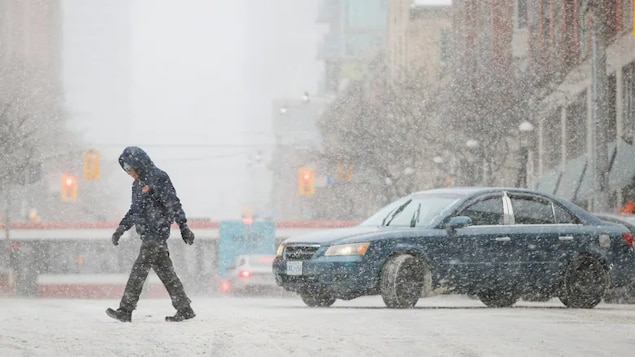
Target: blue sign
(236,238)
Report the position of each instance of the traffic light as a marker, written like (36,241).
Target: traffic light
(306,185)
(68,190)
(91,165)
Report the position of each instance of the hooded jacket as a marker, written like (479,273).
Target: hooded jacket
(155,205)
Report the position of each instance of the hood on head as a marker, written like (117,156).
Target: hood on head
(137,159)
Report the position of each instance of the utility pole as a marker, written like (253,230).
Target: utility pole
(599,92)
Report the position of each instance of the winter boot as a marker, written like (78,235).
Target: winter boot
(120,314)
(182,314)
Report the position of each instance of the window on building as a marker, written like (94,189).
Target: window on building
(444,47)
(627,13)
(611,125)
(552,143)
(521,14)
(628,76)
(576,129)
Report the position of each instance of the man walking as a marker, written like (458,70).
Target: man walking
(155,206)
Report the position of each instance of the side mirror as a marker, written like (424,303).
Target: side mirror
(459,222)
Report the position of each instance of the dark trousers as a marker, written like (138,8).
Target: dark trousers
(153,255)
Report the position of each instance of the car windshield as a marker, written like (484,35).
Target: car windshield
(401,212)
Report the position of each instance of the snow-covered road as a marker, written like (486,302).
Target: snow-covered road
(438,326)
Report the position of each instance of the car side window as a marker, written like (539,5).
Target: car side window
(486,212)
(563,216)
(532,210)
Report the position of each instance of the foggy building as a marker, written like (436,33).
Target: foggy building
(561,48)
(357,30)
(30,66)
(418,41)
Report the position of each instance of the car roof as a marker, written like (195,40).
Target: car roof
(464,191)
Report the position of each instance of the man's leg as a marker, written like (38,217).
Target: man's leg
(165,271)
(137,277)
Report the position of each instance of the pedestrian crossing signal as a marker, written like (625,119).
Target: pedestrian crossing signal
(306,186)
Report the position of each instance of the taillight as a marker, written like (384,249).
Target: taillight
(628,238)
(224,286)
(247,274)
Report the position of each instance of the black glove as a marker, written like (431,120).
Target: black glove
(187,235)
(115,236)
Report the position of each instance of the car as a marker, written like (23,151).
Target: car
(495,243)
(624,294)
(251,274)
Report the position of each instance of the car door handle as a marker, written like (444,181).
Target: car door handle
(565,237)
(502,239)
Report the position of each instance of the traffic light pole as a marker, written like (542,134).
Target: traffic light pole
(599,92)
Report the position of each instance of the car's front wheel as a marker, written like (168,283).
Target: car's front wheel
(585,283)
(402,281)
(317,299)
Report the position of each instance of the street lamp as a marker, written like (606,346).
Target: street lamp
(525,128)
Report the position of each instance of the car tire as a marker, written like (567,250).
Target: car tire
(316,299)
(495,298)
(585,283)
(402,281)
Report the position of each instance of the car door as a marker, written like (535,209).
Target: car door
(543,231)
(482,248)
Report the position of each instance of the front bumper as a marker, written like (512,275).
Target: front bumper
(340,277)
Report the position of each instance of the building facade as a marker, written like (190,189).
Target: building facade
(560,36)
(356,31)
(32,89)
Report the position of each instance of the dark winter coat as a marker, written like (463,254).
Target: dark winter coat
(155,205)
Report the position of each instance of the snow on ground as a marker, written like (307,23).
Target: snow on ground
(260,326)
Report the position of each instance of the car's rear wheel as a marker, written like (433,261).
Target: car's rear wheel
(317,299)
(585,283)
(495,298)
(402,281)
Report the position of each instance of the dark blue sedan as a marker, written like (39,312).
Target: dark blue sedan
(495,243)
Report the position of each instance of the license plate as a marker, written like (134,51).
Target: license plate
(294,268)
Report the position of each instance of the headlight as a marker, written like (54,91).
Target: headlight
(280,250)
(348,249)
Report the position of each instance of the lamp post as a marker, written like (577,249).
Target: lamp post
(524,129)
(438,161)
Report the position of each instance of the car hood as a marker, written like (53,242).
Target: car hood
(351,234)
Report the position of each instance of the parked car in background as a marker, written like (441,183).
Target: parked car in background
(251,274)
(624,294)
(495,243)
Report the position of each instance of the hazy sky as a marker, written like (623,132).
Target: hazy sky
(191,82)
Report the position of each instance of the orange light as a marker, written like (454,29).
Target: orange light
(245,274)
(224,286)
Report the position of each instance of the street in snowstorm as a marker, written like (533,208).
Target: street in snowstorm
(261,326)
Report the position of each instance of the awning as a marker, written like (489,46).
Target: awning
(548,183)
(623,168)
(572,178)
(586,190)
